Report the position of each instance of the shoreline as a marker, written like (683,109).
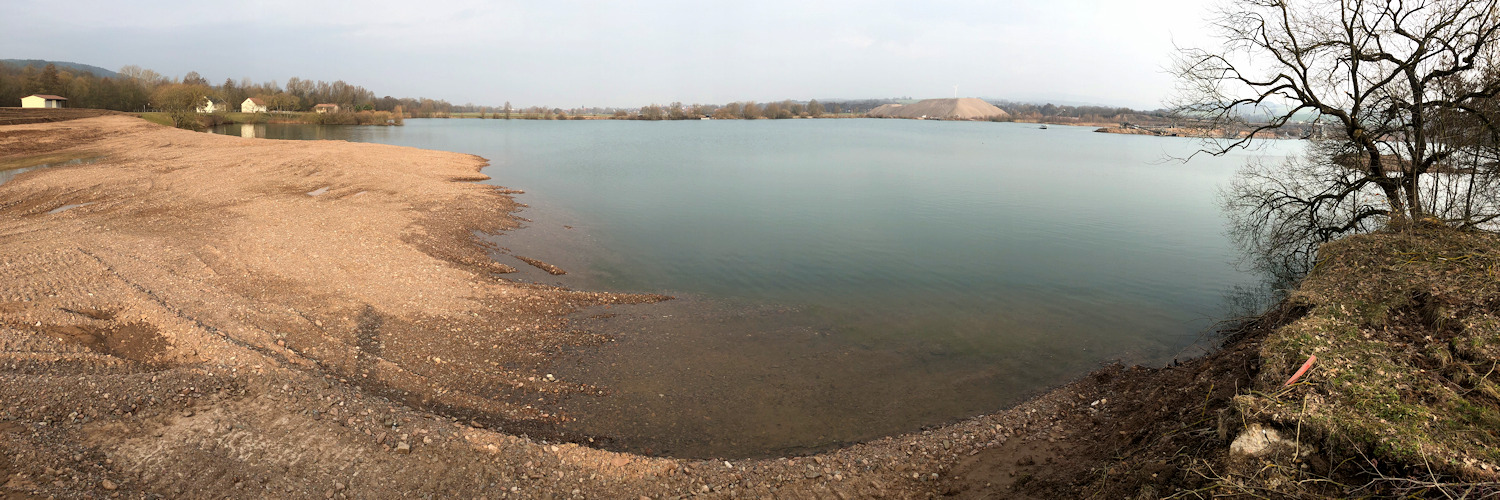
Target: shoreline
(217,315)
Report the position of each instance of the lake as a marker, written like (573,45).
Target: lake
(842,280)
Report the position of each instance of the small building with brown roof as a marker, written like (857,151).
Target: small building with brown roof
(43,101)
(253,105)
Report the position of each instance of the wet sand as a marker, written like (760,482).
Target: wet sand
(214,316)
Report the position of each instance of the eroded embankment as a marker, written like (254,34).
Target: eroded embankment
(1401,400)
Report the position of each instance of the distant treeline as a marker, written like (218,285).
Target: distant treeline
(739,110)
(748,110)
(1101,114)
(135,88)
(814,108)
(679,111)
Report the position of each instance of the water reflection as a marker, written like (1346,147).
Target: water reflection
(7,175)
(298,131)
(252,131)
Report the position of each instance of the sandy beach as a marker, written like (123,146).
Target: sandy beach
(189,315)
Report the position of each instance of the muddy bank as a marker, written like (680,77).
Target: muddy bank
(215,316)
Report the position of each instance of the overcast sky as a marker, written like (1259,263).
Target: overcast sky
(567,53)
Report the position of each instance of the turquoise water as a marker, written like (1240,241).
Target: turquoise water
(839,280)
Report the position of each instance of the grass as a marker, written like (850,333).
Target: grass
(1406,327)
(157,118)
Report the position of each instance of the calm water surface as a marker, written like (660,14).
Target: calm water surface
(840,280)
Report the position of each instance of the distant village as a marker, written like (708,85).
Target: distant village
(210,105)
(254,105)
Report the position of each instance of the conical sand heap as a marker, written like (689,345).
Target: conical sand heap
(966,108)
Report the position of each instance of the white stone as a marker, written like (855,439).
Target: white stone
(1258,441)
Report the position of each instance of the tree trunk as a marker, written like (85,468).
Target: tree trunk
(1399,217)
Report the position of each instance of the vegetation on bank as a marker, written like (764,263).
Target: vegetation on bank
(200,121)
(136,89)
(1403,395)
(1406,327)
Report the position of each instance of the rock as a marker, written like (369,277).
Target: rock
(108,485)
(1258,441)
(337,486)
(403,448)
(19,482)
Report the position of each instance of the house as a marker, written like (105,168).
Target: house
(253,105)
(210,105)
(326,108)
(43,101)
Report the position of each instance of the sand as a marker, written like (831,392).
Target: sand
(967,108)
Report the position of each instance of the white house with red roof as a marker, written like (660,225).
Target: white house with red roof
(253,105)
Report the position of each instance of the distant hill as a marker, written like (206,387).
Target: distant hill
(97,71)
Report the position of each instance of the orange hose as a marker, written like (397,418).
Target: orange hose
(1300,371)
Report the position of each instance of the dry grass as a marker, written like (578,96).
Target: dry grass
(1406,327)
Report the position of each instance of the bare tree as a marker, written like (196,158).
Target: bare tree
(1401,90)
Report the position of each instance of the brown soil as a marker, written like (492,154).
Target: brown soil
(1142,433)
(206,326)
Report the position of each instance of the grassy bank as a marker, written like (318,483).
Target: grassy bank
(1406,329)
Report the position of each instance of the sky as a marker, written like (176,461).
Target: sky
(566,53)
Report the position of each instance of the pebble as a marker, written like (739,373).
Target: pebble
(108,485)
(403,448)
